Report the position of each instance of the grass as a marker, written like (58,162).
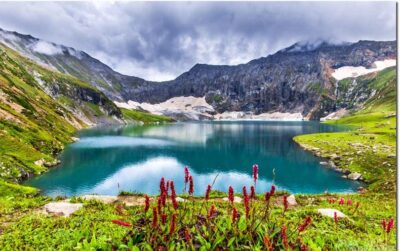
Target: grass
(144,117)
(42,129)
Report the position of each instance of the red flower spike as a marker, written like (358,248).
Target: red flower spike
(234,215)
(146,203)
(212,212)
(267,196)
(155,218)
(187,174)
(390,226)
(383,222)
(349,202)
(285,202)
(252,192)
(187,235)
(191,185)
(167,187)
(207,196)
(173,196)
(163,219)
(305,224)
(230,194)
(121,223)
(162,185)
(284,237)
(272,191)
(341,201)
(244,192)
(335,217)
(172,227)
(255,172)
(159,205)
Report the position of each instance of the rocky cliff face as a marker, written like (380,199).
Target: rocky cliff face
(295,79)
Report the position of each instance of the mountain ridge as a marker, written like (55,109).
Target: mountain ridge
(281,82)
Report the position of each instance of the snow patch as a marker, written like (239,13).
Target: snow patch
(356,71)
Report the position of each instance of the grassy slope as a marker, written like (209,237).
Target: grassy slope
(33,125)
(144,117)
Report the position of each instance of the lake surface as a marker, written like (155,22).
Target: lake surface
(134,158)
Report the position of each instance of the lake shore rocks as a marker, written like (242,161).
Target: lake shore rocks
(354,176)
(235,199)
(62,208)
(107,199)
(330,212)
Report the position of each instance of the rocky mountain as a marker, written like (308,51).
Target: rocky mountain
(297,79)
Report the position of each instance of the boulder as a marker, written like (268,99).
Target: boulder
(235,199)
(330,212)
(62,208)
(354,176)
(107,199)
(292,200)
(39,162)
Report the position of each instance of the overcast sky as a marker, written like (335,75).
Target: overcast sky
(159,41)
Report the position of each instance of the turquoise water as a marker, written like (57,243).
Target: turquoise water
(134,158)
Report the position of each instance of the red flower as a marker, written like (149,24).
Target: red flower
(187,174)
(191,185)
(349,202)
(255,172)
(207,196)
(230,194)
(267,196)
(167,187)
(212,212)
(121,223)
(305,224)
(155,218)
(234,215)
(252,192)
(331,200)
(173,195)
(146,203)
(172,227)
(272,191)
(335,217)
(244,192)
(387,225)
(285,202)
(164,198)
(162,185)
(341,201)
(187,235)
(284,237)
(246,202)
(163,218)
(159,204)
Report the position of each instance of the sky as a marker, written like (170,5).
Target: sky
(161,40)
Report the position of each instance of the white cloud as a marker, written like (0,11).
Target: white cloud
(46,48)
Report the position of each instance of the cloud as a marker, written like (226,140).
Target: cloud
(160,40)
(46,48)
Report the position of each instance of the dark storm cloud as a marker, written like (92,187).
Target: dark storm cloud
(160,40)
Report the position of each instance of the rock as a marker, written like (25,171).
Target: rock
(39,162)
(292,200)
(52,163)
(332,164)
(179,199)
(354,176)
(324,163)
(235,199)
(335,157)
(346,171)
(107,199)
(330,212)
(75,139)
(62,208)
